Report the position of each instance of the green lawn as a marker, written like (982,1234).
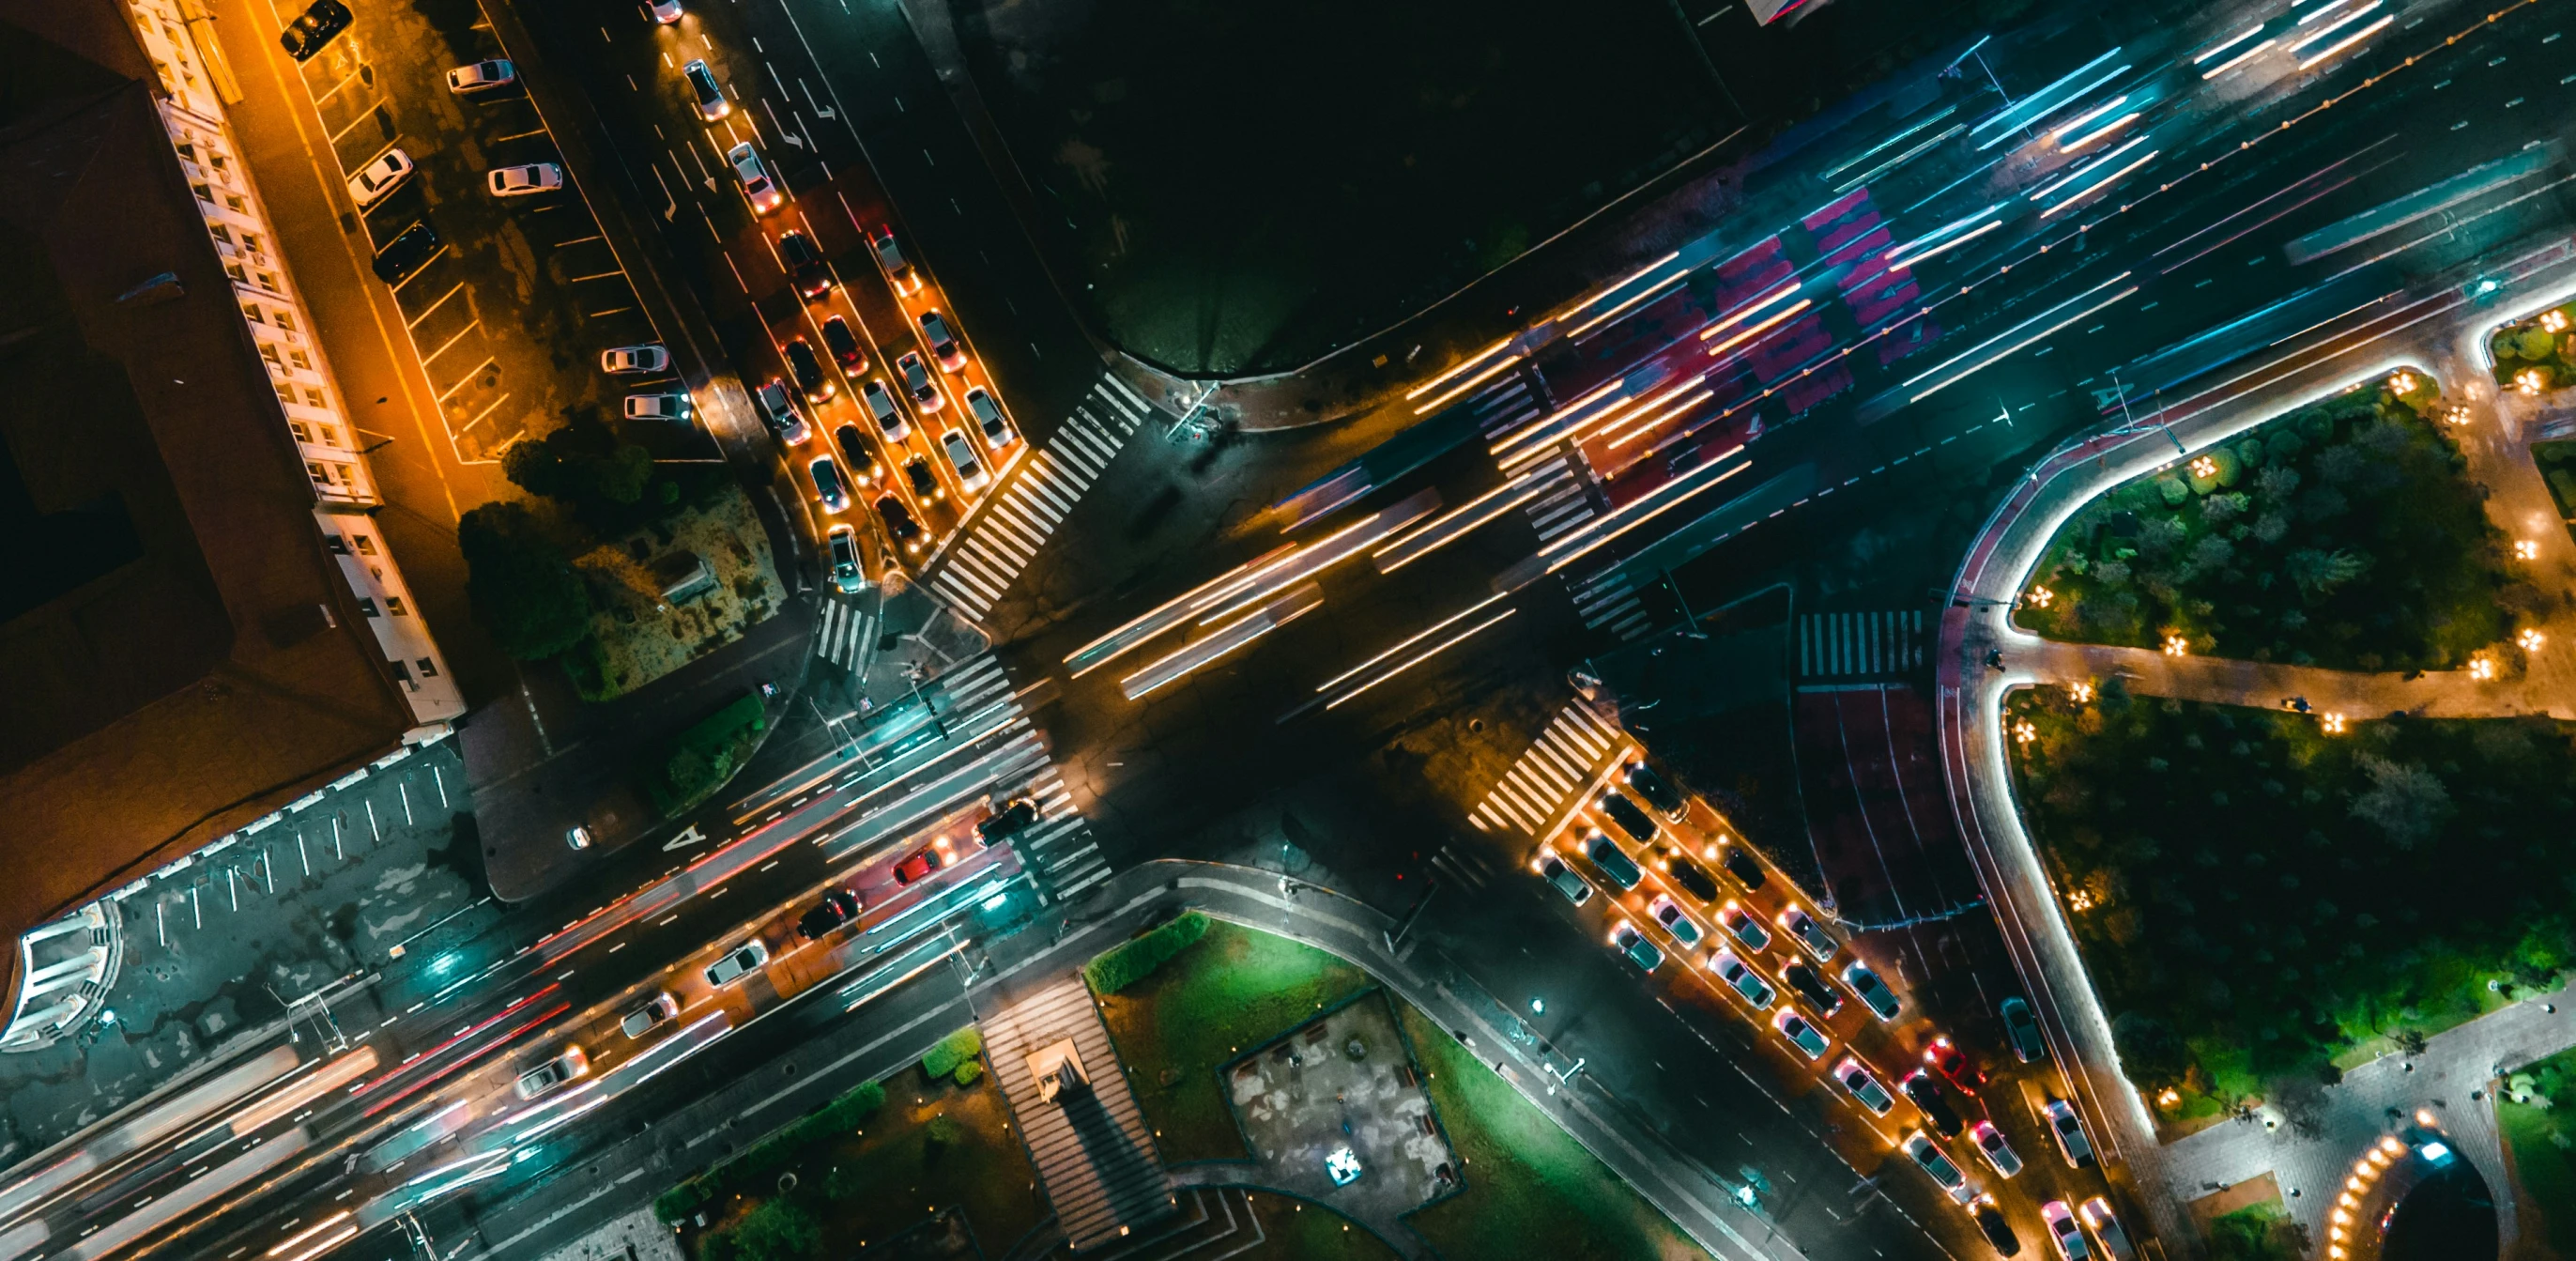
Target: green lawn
(2344,534)
(1233,991)
(1532,1191)
(1296,1231)
(2260,1232)
(2255,896)
(2537,1113)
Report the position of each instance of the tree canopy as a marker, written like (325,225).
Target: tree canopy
(524,589)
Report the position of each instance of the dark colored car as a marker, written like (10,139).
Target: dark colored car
(828,484)
(408,252)
(1812,988)
(899,522)
(805,263)
(925,484)
(1742,866)
(1920,1087)
(1998,1232)
(2022,1028)
(1614,863)
(1658,791)
(808,371)
(1690,876)
(861,453)
(844,345)
(1007,822)
(1630,819)
(839,906)
(917,866)
(313,28)
(712,104)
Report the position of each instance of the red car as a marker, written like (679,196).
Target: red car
(1946,1057)
(916,867)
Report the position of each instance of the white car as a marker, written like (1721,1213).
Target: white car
(882,410)
(1998,1153)
(756,184)
(634,360)
(961,454)
(1856,1079)
(1746,983)
(664,11)
(659,1008)
(739,962)
(704,89)
(519,181)
(1873,991)
(1669,914)
(482,76)
(2072,1142)
(567,1067)
(1937,1163)
(1802,1035)
(997,430)
(657,407)
(378,178)
(2063,1231)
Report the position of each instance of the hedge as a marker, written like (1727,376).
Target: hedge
(1124,965)
(837,1117)
(953,1054)
(701,759)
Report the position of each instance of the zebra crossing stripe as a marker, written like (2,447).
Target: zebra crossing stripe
(1010,527)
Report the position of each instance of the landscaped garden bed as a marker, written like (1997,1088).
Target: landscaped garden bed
(2536,1111)
(2343,534)
(2536,354)
(2258,896)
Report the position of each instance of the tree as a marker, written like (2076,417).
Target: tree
(524,590)
(581,464)
(2404,800)
(2318,573)
(780,1230)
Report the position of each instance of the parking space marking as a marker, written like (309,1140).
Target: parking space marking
(479,416)
(597,275)
(470,374)
(432,309)
(424,268)
(450,342)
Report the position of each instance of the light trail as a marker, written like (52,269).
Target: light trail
(2347,42)
(1903,248)
(1747,311)
(2232,41)
(337,1225)
(2106,129)
(2330,28)
(1446,396)
(2098,185)
(1425,655)
(1470,362)
(2007,116)
(1667,506)
(1578,308)
(1455,524)
(1946,246)
(2086,169)
(1186,660)
(1649,424)
(2033,120)
(2059,136)
(1757,330)
(1427,632)
(2237,60)
(1642,295)
(1981,347)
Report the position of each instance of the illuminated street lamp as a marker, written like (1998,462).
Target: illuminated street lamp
(2332,723)
(2526,549)
(2176,646)
(2204,467)
(2024,733)
(2531,639)
(2553,321)
(2531,380)
(2081,692)
(2402,383)
(2481,668)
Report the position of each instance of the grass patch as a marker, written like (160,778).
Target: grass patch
(1531,1190)
(2342,534)
(635,637)
(2537,1112)
(2257,896)
(2257,1232)
(1296,1231)
(1234,991)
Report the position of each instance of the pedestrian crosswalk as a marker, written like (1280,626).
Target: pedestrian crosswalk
(1608,601)
(1464,866)
(1564,500)
(1556,766)
(996,541)
(1860,645)
(1059,848)
(847,627)
(1502,405)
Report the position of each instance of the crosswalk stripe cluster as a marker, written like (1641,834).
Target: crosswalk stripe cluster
(1608,601)
(1555,767)
(844,634)
(1503,405)
(1466,867)
(1565,501)
(997,541)
(1840,645)
(1059,848)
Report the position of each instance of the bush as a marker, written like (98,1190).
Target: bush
(1124,965)
(700,759)
(524,589)
(838,1117)
(675,1205)
(970,1072)
(780,1230)
(954,1050)
(2172,490)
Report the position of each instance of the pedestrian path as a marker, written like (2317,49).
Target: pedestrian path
(999,538)
(1607,601)
(1094,1153)
(1557,766)
(1861,645)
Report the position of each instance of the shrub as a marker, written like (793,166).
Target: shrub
(2284,445)
(1121,966)
(2172,490)
(2534,343)
(970,1072)
(780,1230)
(675,1205)
(954,1050)
(942,1133)
(699,760)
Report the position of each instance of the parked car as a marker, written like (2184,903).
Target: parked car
(665,12)
(1668,913)
(805,264)
(657,1009)
(1633,944)
(1562,878)
(1803,928)
(2063,1231)
(827,483)
(1990,1142)
(378,179)
(2021,1028)
(737,963)
(917,382)
(1953,1063)
(838,907)
(842,544)
(570,1066)
(1007,822)
(756,183)
(635,360)
(987,413)
(778,409)
(811,380)
(1613,861)
(882,410)
(861,453)
(313,28)
(944,346)
(1929,1157)
(1873,992)
(1628,818)
(704,90)
(1812,988)
(899,523)
(2072,1142)
(844,345)
(664,406)
(918,867)
(482,76)
(898,270)
(1800,1033)
(409,251)
(925,484)
(961,456)
(520,181)
(1998,1232)
(1742,979)
(1743,927)
(1658,791)
(1856,1078)
(1925,1092)
(1746,869)
(1693,878)
(2107,1230)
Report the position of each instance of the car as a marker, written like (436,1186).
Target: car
(1998,1232)
(570,1066)
(2063,1231)
(2021,1028)
(664,406)
(313,28)
(634,360)
(961,456)
(521,181)
(861,453)
(917,383)
(944,346)
(1668,913)
(1743,927)
(987,413)
(2072,1143)
(664,11)
(1800,1033)
(898,270)
(703,87)
(1613,861)
(838,907)
(778,410)
(756,183)
(917,867)
(1562,878)
(882,410)
(1804,929)
(1925,1092)
(842,545)
(1990,1142)
(899,523)
(1625,814)
(827,483)
(804,365)
(1873,992)
(659,1008)
(1812,988)
(1658,791)
(737,963)
(409,251)
(1929,1157)
(1633,944)
(482,76)
(805,264)
(1747,983)
(378,179)
(844,345)
(577,837)
(1953,1063)
(925,485)
(2107,1230)
(1745,868)
(1693,878)
(1007,822)
(1856,1078)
